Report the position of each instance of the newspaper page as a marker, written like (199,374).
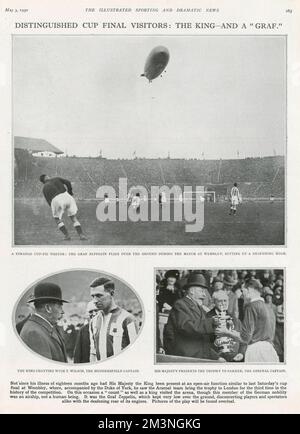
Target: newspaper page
(149,206)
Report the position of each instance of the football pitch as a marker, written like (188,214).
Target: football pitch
(256,223)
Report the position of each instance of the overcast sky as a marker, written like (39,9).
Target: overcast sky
(218,95)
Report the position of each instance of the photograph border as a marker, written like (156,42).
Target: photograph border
(16,304)
(214,362)
(230,246)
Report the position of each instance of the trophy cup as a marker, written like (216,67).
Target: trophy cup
(223,344)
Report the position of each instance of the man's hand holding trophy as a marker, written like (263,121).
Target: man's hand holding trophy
(226,337)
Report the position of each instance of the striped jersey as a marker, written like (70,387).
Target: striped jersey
(111,333)
(235,192)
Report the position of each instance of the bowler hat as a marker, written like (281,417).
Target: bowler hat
(47,291)
(172,273)
(196,279)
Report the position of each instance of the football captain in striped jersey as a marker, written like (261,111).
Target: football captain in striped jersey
(113,328)
(235,199)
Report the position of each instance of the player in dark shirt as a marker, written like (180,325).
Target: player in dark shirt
(258,326)
(59,195)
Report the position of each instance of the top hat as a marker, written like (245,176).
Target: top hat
(47,291)
(196,279)
(172,273)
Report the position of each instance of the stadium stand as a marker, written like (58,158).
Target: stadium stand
(258,178)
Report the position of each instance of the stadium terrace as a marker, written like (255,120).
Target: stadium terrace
(261,182)
(164,203)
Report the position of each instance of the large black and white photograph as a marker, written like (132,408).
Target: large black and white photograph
(220,316)
(149,140)
(78,316)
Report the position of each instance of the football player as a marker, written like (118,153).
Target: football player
(136,201)
(235,199)
(59,195)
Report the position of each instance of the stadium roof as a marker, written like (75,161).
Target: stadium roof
(35,145)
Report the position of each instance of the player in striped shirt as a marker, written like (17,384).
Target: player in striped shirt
(136,201)
(113,328)
(235,199)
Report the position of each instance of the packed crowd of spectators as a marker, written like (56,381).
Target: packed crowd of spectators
(257,177)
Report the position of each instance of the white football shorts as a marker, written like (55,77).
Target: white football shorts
(61,203)
(261,352)
(234,201)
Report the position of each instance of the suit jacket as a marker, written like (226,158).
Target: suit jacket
(69,336)
(43,339)
(187,332)
(82,346)
(167,296)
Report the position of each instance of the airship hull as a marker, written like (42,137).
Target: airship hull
(156,62)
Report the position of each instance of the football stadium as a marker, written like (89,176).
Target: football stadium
(259,220)
(192,114)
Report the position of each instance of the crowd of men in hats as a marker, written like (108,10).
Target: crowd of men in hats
(107,331)
(224,315)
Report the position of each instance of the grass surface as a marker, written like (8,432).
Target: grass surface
(256,223)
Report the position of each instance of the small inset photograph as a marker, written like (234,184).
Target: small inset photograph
(78,316)
(215,316)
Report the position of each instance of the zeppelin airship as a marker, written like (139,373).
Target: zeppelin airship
(156,63)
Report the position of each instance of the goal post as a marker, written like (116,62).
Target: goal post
(204,196)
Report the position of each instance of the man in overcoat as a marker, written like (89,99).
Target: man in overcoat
(40,332)
(188,330)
